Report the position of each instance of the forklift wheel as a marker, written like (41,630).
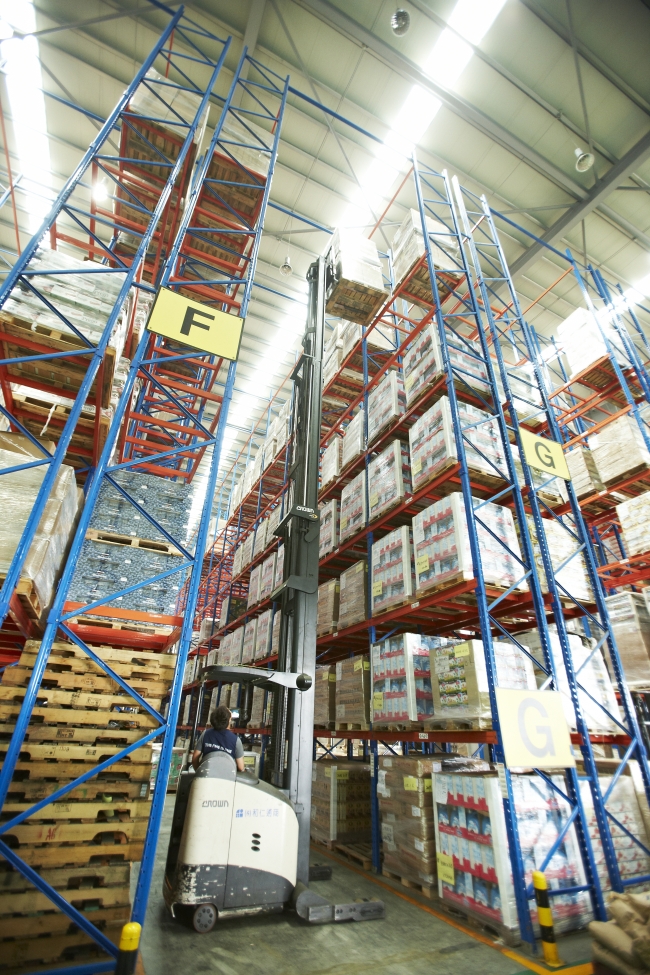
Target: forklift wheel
(204,918)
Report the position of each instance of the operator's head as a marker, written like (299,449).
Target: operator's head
(220,718)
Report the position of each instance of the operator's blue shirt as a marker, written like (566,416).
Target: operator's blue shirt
(220,741)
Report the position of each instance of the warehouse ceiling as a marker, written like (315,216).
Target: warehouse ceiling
(499,93)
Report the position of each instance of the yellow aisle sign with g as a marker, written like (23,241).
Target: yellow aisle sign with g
(199,326)
(534,731)
(544,455)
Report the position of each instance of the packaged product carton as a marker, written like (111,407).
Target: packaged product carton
(392,578)
(389,479)
(353,595)
(353,691)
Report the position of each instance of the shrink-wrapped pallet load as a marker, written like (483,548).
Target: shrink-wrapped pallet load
(619,451)
(386,403)
(354,284)
(247,551)
(263,635)
(354,442)
(584,473)
(328,607)
(424,364)
(408,248)
(584,340)
(389,479)
(260,709)
(623,805)
(459,678)
(570,569)
(634,516)
(334,340)
(353,691)
(224,650)
(442,551)
(407,822)
(236,647)
(630,619)
(340,802)
(353,595)
(526,397)
(236,562)
(329,528)
(325,696)
(261,541)
(392,581)
(401,679)
(279,567)
(331,462)
(267,576)
(248,643)
(380,340)
(353,507)
(434,450)
(254,586)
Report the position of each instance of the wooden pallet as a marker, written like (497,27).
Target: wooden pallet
(70,948)
(114,538)
(82,854)
(457,724)
(19,675)
(60,924)
(33,790)
(76,699)
(146,629)
(351,726)
(27,597)
(80,834)
(125,662)
(35,413)
(428,890)
(93,876)
(97,811)
(69,719)
(55,769)
(360,853)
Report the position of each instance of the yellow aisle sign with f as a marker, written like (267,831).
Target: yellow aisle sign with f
(544,455)
(199,326)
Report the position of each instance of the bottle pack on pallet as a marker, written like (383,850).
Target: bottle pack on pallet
(354,513)
(424,365)
(340,802)
(386,402)
(634,517)
(389,479)
(401,679)
(408,249)
(630,619)
(623,804)
(169,502)
(331,461)
(354,442)
(329,528)
(570,569)
(353,691)
(392,579)
(619,451)
(584,473)
(353,595)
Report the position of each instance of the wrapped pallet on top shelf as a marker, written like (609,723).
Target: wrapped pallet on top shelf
(442,552)
(583,343)
(353,507)
(328,607)
(353,595)
(354,281)
(267,576)
(407,826)
(354,442)
(460,683)
(408,249)
(329,528)
(424,365)
(353,692)
(325,696)
(236,647)
(380,339)
(634,516)
(170,503)
(386,402)
(263,635)
(389,479)
(248,643)
(562,546)
(331,462)
(471,841)
(401,679)
(630,621)
(334,340)
(254,586)
(275,633)
(619,451)
(340,802)
(392,579)
(260,543)
(584,473)
(433,445)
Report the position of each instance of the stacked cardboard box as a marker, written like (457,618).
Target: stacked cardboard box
(353,691)
(354,441)
(261,538)
(562,544)
(623,804)
(354,515)
(329,528)
(254,586)
(353,595)
(424,364)
(584,473)
(401,679)
(236,562)
(224,651)
(630,619)
(354,286)
(389,479)
(407,824)
(408,249)
(260,709)
(442,550)
(459,677)
(325,696)
(236,646)
(263,635)
(232,608)
(386,402)
(634,516)
(328,607)
(619,451)
(331,462)
(340,802)
(585,341)
(267,576)
(248,644)
(380,340)
(392,579)
(275,633)
(434,449)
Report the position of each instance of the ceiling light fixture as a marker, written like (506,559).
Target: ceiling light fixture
(584,160)
(286,269)
(100,192)
(400,22)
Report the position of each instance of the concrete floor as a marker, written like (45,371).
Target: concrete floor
(410,941)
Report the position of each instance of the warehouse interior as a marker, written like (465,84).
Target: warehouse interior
(325,453)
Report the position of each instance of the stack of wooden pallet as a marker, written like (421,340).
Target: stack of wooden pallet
(83,845)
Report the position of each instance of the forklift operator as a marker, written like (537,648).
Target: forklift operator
(219,738)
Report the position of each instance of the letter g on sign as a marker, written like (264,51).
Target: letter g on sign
(543,744)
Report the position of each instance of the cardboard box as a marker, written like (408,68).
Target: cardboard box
(353,691)
(386,402)
(353,595)
(325,696)
(354,515)
(329,528)
(392,580)
(328,607)
(389,479)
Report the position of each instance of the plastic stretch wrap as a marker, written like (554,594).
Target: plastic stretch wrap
(328,607)
(442,551)
(381,339)
(408,250)
(353,595)
(236,562)
(389,479)
(392,579)
(261,538)
(562,545)
(279,566)
(619,450)
(254,586)
(582,341)
(325,696)
(340,801)
(267,576)
(460,682)
(224,650)
(260,708)
(275,633)
(386,402)
(237,646)
(630,619)
(354,442)
(527,399)
(331,461)
(424,364)
(353,507)
(247,550)
(623,804)
(433,444)
(353,690)
(248,643)
(401,679)
(329,528)
(170,503)
(354,281)
(263,635)
(634,516)
(584,473)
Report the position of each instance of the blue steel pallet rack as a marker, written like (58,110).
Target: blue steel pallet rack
(224,283)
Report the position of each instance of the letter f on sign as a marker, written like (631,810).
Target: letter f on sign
(190,320)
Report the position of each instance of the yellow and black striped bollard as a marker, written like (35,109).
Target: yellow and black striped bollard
(127,956)
(545,918)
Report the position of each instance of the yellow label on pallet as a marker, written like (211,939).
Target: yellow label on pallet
(422,564)
(462,650)
(416,465)
(341,774)
(377,588)
(192,323)
(544,455)
(409,381)
(446,868)
(378,701)
(358,664)
(374,500)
